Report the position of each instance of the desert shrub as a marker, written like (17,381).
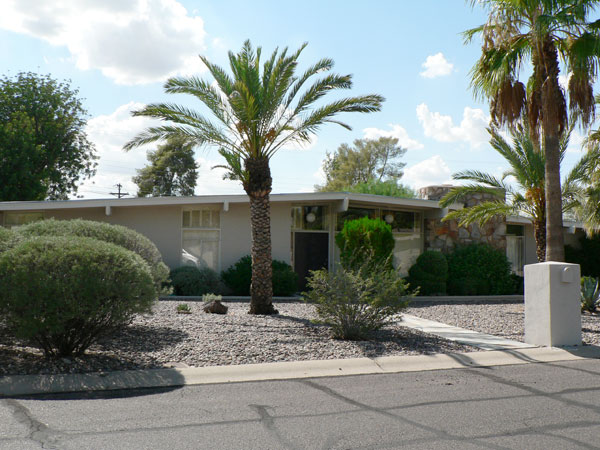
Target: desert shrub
(587,255)
(114,234)
(190,280)
(365,239)
(590,294)
(8,239)
(239,276)
(478,269)
(63,293)
(355,302)
(429,273)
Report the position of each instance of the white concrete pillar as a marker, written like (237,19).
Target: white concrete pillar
(552,304)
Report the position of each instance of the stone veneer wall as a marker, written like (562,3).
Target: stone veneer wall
(444,236)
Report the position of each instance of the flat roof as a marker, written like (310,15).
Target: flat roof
(368,199)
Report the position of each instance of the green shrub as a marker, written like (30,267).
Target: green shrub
(587,255)
(64,293)
(190,280)
(590,294)
(356,302)
(429,273)
(114,234)
(183,308)
(365,239)
(479,269)
(8,239)
(239,276)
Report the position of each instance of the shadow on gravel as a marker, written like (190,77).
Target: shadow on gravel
(141,338)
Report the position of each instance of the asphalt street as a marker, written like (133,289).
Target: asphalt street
(532,406)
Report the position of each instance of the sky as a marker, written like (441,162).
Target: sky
(119,53)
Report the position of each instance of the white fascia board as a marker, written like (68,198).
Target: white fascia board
(375,200)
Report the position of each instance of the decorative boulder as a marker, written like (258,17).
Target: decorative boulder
(216,307)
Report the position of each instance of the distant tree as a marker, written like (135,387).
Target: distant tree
(44,151)
(367,161)
(389,188)
(172,171)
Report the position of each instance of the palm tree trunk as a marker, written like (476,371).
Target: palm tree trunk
(553,122)
(539,229)
(258,187)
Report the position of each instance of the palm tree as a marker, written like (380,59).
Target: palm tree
(257,113)
(527,198)
(539,32)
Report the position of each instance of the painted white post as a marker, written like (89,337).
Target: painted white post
(552,304)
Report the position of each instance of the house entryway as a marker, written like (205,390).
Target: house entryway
(311,252)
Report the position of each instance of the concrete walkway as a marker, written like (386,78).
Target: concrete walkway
(461,335)
(501,352)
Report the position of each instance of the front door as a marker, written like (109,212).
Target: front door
(311,252)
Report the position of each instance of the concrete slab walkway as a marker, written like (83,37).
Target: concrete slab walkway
(461,335)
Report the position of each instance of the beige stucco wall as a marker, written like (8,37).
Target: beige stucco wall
(160,224)
(236,236)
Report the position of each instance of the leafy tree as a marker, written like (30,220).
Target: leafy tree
(44,151)
(539,33)
(172,171)
(256,113)
(527,198)
(368,161)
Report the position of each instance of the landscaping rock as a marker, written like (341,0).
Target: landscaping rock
(215,307)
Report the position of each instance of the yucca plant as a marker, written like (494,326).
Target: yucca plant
(590,294)
(257,113)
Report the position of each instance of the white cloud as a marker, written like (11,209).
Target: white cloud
(210,181)
(436,66)
(563,80)
(472,128)
(431,171)
(110,132)
(397,132)
(131,42)
(576,142)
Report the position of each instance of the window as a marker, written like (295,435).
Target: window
(400,221)
(310,218)
(201,237)
(14,219)
(354,213)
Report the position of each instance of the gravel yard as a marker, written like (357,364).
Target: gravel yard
(168,339)
(500,319)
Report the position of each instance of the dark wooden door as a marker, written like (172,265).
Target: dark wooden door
(311,252)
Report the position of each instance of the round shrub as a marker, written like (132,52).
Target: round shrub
(479,269)
(239,276)
(365,239)
(114,234)
(63,293)
(429,273)
(190,280)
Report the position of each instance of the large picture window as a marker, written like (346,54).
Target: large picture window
(201,237)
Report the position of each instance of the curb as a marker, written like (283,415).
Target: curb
(19,385)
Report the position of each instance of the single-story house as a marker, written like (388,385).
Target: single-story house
(214,231)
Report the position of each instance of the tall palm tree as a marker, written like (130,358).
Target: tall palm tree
(257,113)
(527,196)
(542,33)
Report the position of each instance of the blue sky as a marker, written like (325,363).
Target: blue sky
(118,54)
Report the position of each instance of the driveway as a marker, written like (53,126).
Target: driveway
(545,406)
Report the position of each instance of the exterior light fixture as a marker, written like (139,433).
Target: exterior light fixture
(311,217)
(389,218)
